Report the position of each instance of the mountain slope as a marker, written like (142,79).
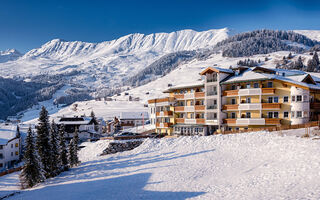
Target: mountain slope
(9,55)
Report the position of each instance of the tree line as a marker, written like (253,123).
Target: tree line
(47,154)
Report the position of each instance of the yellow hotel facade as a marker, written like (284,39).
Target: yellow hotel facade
(237,99)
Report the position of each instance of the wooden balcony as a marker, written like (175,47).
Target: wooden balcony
(230,93)
(315,105)
(164,113)
(273,121)
(163,125)
(200,121)
(179,96)
(271,106)
(180,120)
(166,99)
(179,108)
(199,94)
(230,121)
(230,107)
(268,90)
(199,107)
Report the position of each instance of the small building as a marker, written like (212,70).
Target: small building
(10,145)
(87,127)
(133,119)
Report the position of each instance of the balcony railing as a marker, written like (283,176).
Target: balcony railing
(180,120)
(200,120)
(211,107)
(199,107)
(271,106)
(163,124)
(252,121)
(179,108)
(199,95)
(230,93)
(315,105)
(268,90)
(164,113)
(273,121)
(249,91)
(231,107)
(212,93)
(250,106)
(161,100)
(179,96)
(230,121)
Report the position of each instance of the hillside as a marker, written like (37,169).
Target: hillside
(247,166)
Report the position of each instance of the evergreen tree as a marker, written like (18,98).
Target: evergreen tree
(71,148)
(63,153)
(31,173)
(42,142)
(316,58)
(298,64)
(75,146)
(290,55)
(55,147)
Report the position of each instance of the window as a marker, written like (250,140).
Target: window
(270,114)
(256,85)
(275,99)
(248,85)
(1,165)
(293,99)
(17,153)
(1,156)
(214,115)
(200,129)
(11,153)
(233,101)
(270,85)
(237,128)
(270,99)
(305,98)
(248,99)
(233,115)
(292,114)
(11,145)
(233,87)
(285,114)
(1,147)
(248,114)
(305,114)
(275,115)
(285,99)
(299,113)
(299,98)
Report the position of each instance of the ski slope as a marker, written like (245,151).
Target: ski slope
(246,166)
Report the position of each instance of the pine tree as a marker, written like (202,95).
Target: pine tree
(32,172)
(71,159)
(55,147)
(76,147)
(63,153)
(316,58)
(42,142)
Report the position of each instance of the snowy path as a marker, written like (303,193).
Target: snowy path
(244,166)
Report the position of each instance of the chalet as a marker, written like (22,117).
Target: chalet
(10,145)
(133,119)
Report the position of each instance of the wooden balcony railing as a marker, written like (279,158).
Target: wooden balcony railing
(199,107)
(268,90)
(165,113)
(199,94)
(230,93)
(166,99)
(165,124)
(315,105)
(179,96)
(271,105)
(200,120)
(180,120)
(230,121)
(273,121)
(179,108)
(230,107)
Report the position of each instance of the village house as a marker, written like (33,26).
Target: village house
(10,145)
(237,99)
(88,127)
(133,119)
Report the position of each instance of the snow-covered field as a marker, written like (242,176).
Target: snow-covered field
(256,165)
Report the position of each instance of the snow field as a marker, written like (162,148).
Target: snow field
(256,165)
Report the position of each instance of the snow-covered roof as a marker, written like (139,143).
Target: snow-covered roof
(74,120)
(247,75)
(183,86)
(7,132)
(134,115)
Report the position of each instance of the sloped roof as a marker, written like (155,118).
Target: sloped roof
(134,115)
(217,69)
(184,86)
(75,120)
(7,132)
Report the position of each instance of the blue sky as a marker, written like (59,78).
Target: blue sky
(28,24)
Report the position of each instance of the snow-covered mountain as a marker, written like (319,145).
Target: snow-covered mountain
(109,62)
(9,55)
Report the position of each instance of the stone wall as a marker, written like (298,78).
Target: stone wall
(115,147)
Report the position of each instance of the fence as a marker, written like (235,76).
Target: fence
(275,128)
(9,171)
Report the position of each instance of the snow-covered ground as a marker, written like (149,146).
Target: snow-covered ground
(256,165)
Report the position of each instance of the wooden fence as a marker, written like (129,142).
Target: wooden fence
(9,171)
(275,128)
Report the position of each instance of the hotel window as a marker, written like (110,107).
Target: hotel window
(305,114)
(17,145)
(248,115)
(270,114)
(285,99)
(270,85)
(293,99)
(275,99)
(248,99)
(305,98)
(1,156)
(214,115)
(256,85)
(233,115)
(233,87)
(11,153)
(285,114)
(299,98)
(248,85)
(200,129)
(11,145)
(275,115)
(299,113)
(233,101)
(1,147)
(292,114)
(270,99)
(17,153)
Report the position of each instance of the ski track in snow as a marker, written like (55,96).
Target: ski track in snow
(241,166)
